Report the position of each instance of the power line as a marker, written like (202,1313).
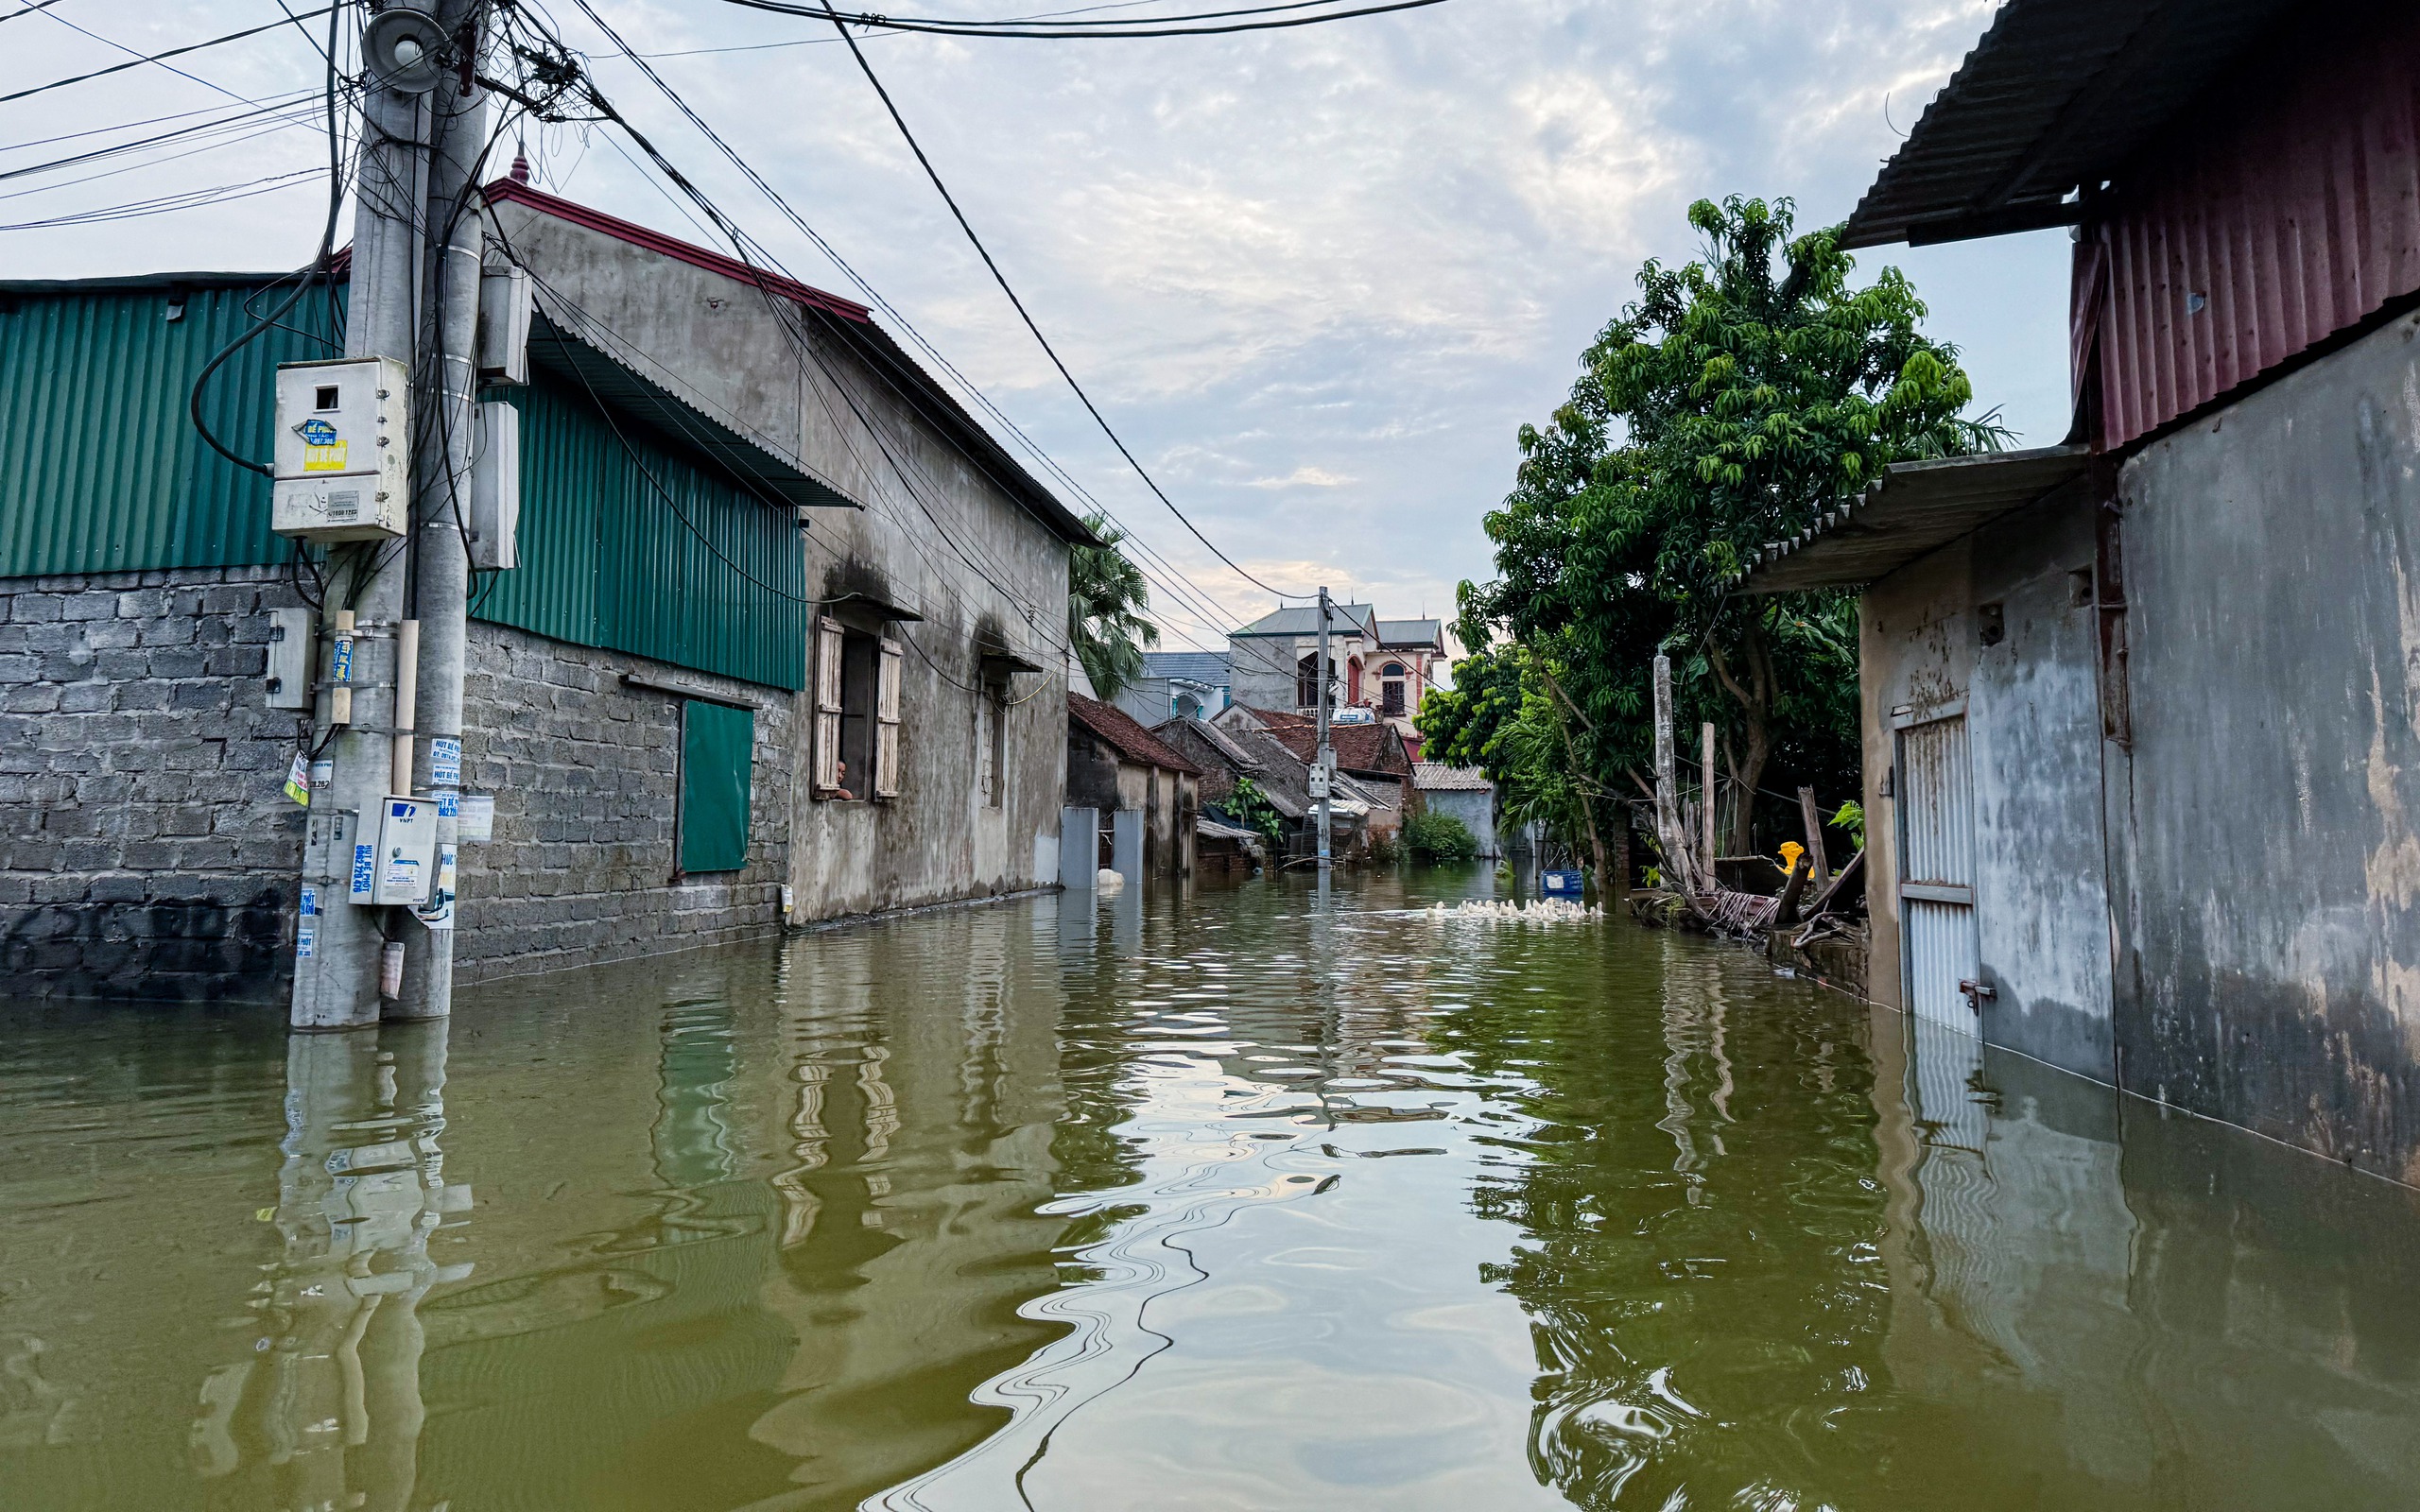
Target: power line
(173,52)
(1191,598)
(189,200)
(1001,279)
(105,42)
(1048,31)
(745,244)
(37,4)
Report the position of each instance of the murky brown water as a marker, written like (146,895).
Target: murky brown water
(1234,1202)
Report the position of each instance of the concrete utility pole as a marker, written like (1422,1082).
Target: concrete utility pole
(1326,758)
(441,556)
(418,144)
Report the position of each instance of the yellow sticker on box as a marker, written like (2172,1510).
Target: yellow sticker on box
(328,458)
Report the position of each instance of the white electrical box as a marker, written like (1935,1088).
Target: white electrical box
(1317,777)
(343,465)
(288,675)
(496,490)
(504,324)
(400,867)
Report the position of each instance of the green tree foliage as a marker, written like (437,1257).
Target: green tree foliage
(1439,839)
(1737,399)
(1106,600)
(1248,806)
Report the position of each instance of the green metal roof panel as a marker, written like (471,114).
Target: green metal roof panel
(100,470)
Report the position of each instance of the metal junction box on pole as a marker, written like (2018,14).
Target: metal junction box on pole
(399,867)
(344,443)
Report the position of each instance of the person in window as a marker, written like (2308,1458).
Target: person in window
(844,792)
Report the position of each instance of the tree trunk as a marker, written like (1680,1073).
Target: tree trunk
(1755,702)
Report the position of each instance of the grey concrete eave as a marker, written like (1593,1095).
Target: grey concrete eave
(1913,508)
(757,464)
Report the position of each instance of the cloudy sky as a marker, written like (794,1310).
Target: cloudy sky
(1316,278)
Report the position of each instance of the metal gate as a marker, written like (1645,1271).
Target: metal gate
(1937,871)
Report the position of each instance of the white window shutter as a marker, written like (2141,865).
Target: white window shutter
(886,717)
(827,707)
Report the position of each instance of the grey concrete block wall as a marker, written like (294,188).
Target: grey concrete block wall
(586,774)
(147,846)
(147,849)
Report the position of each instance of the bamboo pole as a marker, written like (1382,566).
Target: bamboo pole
(1668,834)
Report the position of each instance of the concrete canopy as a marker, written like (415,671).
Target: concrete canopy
(1914,508)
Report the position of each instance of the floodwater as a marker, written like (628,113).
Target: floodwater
(1242,1200)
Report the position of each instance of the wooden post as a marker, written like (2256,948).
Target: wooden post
(1669,834)
(1705,816)
(1785,907)
(1822,874)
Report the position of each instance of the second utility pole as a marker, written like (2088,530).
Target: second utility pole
(1326,757)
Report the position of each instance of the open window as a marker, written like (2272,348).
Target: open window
(991,747)
(856,713)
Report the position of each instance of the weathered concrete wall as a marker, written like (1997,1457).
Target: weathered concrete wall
(1915,648)
(586,773)
(2034,722)
(1263,671)
(2033,719)
(1476,810)
(938,534)
(2271,962)
(146,846)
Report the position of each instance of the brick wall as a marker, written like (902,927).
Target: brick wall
(147,849)
(586,773)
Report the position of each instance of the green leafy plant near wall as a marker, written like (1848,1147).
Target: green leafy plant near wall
(1250,807)
(1439,838)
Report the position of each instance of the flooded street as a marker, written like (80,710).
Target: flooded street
(1240,1200)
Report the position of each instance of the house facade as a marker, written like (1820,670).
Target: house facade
(2142,736)
(1178,685)
(1148,792)
(1381,669)
(743,674)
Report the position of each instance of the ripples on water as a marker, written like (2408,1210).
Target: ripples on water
(1244,1200)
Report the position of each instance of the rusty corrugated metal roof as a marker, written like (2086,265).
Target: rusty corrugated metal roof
(1914,508)
(2058,94)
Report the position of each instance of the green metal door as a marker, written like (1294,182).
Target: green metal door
(716,742)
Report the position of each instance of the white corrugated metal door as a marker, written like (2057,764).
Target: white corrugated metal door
(1937,871)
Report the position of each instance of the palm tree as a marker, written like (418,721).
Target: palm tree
(1106,597)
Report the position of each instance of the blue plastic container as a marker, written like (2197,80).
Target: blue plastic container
(1563,883)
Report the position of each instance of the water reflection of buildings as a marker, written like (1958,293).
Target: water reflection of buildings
(783,1295)
(2116,1304)
(326,1410)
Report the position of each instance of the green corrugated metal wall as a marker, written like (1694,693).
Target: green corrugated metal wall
(100,470)
(659,569)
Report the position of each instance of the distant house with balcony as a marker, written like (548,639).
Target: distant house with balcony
(1380,665)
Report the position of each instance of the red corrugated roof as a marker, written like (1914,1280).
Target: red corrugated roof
(1130,738)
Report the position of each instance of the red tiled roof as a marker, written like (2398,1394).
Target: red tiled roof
(1359,747)
(1127,737)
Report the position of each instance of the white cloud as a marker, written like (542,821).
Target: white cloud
(1350,259)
